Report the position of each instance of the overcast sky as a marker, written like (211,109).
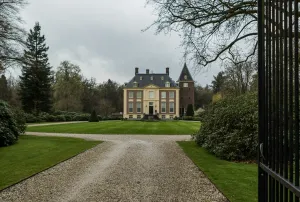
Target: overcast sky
(105,39)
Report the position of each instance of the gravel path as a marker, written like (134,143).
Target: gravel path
(124,168)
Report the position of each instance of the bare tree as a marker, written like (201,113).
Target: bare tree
(239,75)
(11,33)
(210,28)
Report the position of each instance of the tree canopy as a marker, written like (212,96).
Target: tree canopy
(210,29)
(11,33)
(68,87)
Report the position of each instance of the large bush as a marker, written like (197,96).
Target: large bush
(230,128)
(12,125)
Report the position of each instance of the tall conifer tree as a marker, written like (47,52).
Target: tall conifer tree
(35,84)
(4,90)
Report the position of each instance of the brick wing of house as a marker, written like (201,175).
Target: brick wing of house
(158,94)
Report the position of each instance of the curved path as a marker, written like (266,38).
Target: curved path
(124,168)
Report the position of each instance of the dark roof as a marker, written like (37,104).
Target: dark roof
(185,71)
(146,80)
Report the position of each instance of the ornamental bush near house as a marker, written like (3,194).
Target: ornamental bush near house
(229,128)
(190,110)
(93,117)
(11,126)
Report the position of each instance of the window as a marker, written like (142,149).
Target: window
(163,107)
(139,116)
(185,85)
(139,94)
(167,84)
(130,116)
(141,78)
(171,94)
(185,77)
(130,94)
(151,94)
(138,107)
(163,94)
(130,107)
(162,78)
(163,116)
(151,78)
(135,84)
(171,105)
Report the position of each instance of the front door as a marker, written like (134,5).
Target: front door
(151,108)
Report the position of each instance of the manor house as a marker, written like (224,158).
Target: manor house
(158,94)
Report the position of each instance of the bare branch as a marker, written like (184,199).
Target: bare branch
(209,28)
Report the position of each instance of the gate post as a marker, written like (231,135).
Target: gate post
(262,176)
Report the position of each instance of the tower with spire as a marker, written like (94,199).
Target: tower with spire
(187,90)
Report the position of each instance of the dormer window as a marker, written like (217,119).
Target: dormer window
(162,78)
(151,78)
(167,84)
(185,77)
(141,78)
(135,84)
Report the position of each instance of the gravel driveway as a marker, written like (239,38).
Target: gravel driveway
(124,168)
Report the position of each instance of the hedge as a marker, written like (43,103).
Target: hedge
(62,116)
(229,128)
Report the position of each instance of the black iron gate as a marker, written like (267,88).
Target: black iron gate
(278,29)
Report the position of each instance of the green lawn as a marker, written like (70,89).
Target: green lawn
(122,127)
(237,181)
(32,154)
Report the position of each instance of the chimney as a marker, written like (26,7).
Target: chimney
(167,70)
(147,71)
(136,70)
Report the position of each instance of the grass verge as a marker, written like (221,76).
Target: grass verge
(122,127)
(237,181)
(32,154)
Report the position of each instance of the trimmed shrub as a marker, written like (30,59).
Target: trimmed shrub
(94,117)
(229,128)
(10,126)
(190,110)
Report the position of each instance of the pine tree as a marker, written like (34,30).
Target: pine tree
(93,117)
(35,84)
(190,110)
(5,93)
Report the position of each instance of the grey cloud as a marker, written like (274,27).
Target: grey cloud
(105,38)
